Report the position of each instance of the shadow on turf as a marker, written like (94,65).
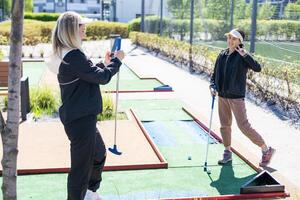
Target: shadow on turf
(227,183)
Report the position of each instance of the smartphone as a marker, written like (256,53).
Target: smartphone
(241,45)
(117,44)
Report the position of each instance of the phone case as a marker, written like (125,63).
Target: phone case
(117,44)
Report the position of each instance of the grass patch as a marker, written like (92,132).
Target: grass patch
(275,50)
(108,112)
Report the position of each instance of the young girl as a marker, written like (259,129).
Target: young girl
(229,82)
(81,99)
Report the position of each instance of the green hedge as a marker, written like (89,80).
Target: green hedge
(173,27)
(37,32)
(34,32)
(292,11)
(43,101)
(40,32)
(276,79)
(102,30)
(288,28)
(108,112)
(42,16)
(134,25)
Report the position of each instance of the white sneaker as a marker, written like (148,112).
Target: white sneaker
(90,195)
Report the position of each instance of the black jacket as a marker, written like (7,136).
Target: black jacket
(230,73)
(79,85)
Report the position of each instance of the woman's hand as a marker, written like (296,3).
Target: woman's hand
(107,58)
(120,54)
(241,51)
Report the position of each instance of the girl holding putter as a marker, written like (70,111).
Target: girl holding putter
(229,82)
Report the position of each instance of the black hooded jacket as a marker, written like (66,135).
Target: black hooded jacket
(230,73)
(79,83)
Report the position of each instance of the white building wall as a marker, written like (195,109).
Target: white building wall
(78,7)
(39,1)
(88,6)
(128,9)
(49,6)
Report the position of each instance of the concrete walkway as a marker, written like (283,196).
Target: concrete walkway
(193,90)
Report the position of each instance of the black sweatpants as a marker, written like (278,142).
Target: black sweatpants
(88,154)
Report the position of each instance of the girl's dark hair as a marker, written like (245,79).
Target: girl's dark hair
(241,32)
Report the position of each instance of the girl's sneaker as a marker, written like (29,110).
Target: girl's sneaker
(90,195)
(227,157)
(266,157)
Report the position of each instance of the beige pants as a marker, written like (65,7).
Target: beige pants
(237,106)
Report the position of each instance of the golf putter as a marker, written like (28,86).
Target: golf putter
(116,46)
(208,136)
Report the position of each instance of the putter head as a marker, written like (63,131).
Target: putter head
(207,170)
(205,166)
(114,150)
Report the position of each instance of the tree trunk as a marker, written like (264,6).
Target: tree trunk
(10,130)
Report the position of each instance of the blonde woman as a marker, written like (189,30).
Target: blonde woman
(81,99)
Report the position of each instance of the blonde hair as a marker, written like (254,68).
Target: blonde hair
(66,33)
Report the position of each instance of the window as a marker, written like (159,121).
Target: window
(71,1)
(82,1)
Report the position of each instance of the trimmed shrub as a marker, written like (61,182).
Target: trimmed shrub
(34,32)
(134,25)
(175,27)
(274,29)
(4,101)
(43,101)
(269,29)
(101,30)
(40,32)
(108,108)
(4,32)
(46,17)
(108,112)
(3,40)
(292,11)
(1,54)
